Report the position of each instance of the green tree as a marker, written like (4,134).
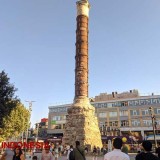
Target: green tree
(8,100)
(16,122)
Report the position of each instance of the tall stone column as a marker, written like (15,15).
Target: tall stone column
(81,71)
(81,123)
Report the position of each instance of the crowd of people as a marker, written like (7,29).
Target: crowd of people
(119,152)
(144,152)
(15,154)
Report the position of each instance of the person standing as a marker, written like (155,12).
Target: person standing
(56,152)
(158,150)
(8,154)
(147,155)
(47,155)
(86,150)
(138,149)
(61,152)
(116,154)
(98,151)
(69,152)
(34,158)
(125,149)
(18,155)
(78,152)
(109,145)
(104,150)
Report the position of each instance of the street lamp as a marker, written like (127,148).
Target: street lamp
(37,130)
(153,125)
(30,110)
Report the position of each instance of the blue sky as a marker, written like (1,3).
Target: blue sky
(37,48)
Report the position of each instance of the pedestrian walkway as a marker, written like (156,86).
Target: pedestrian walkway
(132,157)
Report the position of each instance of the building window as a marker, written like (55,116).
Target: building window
(135,123)
(102,115)
(134,112)
(102,127)
(145,112)
(125,103)
(57,118)
(124,123)
(147,123)
(101,124)
(155,101)
(112,114)
(158,122)
(113,123)
(123,113)
(157,110)
(58,126)
(109,105)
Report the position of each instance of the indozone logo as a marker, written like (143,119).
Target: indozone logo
(25,145)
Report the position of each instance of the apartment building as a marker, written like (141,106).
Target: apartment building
(118,114)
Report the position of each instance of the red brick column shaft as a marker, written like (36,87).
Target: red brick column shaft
(81,70)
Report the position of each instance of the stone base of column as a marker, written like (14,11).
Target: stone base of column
(82,125)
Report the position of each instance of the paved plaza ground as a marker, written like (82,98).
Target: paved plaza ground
(132,156)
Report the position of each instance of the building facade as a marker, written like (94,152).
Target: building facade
(126,113)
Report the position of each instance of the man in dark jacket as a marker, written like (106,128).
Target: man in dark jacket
(79,153)
(147,155)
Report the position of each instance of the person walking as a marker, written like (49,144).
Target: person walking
(147,154)
(94,153)
(116,154)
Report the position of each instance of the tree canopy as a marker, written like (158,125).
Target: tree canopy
(14,117)
(16,122)
(8,100)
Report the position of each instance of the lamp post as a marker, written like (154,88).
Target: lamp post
(153,125)
(37,128)
(28,125)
